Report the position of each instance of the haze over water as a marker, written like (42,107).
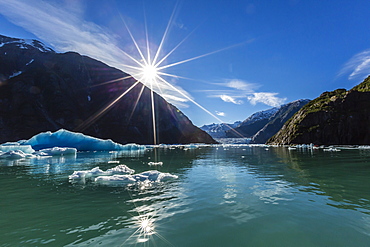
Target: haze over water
(224,196)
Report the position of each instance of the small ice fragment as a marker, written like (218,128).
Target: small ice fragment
(113,162)
(160,163)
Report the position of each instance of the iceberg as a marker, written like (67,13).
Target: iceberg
(65,138)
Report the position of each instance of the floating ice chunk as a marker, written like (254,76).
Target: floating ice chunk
(160,163)
(57,151)
(144,177)
(331,150)
(85,174)
(95,172)
(15,154)
(10,146)
(120,169)
(154,176)
(113,162)
(65,138)
(115,179)
(364,147)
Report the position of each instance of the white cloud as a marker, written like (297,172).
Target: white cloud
(220,113)
(266,98)
(231,99)
(65,30)
(241,85)
(358,66)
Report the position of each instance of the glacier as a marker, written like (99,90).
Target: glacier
(65,138)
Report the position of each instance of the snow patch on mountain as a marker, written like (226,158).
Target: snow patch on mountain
(266,114)
(25,43)
(218,130)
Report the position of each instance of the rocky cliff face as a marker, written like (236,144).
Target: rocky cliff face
(42,90)
(337,117)
(252,124)
(277,120)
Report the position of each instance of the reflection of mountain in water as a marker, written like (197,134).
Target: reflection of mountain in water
(341,177)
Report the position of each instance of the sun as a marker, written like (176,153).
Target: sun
(149,73)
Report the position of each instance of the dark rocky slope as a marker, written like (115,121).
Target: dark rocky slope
(277,121)
(338,117)
(42,90)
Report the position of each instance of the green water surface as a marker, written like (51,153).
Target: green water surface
(224,196)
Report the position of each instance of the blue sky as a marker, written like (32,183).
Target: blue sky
(230,58)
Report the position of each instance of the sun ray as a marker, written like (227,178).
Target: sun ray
(153,117)
(147,38)
(201,56)
(175,48)
(136,102)
(83,126)
(165,33)
(111,81)
(134,41)
(197,104)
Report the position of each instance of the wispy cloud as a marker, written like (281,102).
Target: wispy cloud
(358,66)
(269,99)
(239,89)
(231,99)
(220,113)
(65,30)
(241,85)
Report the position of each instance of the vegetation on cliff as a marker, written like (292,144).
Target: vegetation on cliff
(337,117)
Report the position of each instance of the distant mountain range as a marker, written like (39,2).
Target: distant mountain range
(219,130)
(250,126)
(260,126)
(339,117)
(41,90)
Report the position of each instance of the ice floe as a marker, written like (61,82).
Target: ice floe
(120,175)
(96,172)
(160,163)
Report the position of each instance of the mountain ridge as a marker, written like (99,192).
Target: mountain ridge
(339,117)
(42,90)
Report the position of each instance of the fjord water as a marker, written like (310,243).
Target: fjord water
(224,196)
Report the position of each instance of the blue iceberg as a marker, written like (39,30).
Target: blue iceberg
(65,138)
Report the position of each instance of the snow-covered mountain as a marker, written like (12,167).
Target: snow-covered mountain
(218,130)
(276,121)
(252,124)
(24,43)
